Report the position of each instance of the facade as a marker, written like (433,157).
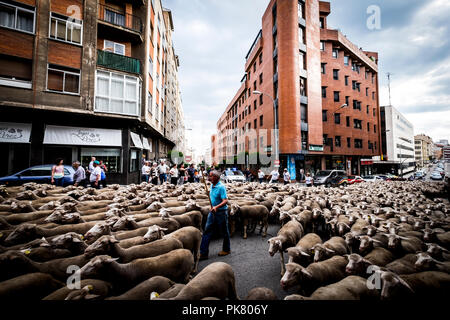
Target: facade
(73,80)
(306,73)
(397,142)
(423,150)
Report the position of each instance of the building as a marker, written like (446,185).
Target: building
(77,80)
(397,143)
(423,150)
(306,72)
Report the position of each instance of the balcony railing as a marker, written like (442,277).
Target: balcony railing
(118,62)
(121,19)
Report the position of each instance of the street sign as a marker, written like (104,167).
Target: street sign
(277,163)
(188,158)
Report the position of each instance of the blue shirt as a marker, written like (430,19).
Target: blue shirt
(218,193)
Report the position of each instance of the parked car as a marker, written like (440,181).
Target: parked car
(355,179)
(38,174)
(233,176)
(324,177)
(372,178)
(384,177)
(339,180)
(435,175)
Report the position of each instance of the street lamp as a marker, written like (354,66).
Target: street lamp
(277,156)
(341,107)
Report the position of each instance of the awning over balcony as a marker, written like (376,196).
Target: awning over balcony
(75,136)
(118,62)
(15,132)
(136,140)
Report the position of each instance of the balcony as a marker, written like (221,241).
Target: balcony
(303,73)
(120,24)
(303,100)
(302,22)
(275,52)
(274,29)
(118,62)
(275,77)
(304,126)
(302,47)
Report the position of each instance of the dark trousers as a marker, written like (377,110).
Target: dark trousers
(219,220)
(174,181)
(59,182)
(83,183)
(103,183)
(163,178)
(155,181)
(191,179)
(261,180)
(145,178)
(95,186)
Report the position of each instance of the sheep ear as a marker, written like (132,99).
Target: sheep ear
(376,241)
(385,234)
(91,296)
(330,250)
(303,253)
(404,238)
(306,273)
(405,284)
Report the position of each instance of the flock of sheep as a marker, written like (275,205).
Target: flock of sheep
(386,240)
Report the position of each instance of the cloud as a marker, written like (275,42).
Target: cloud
(212,38)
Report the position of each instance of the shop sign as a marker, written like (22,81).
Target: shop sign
(313,147)
(82,136)
(15,132)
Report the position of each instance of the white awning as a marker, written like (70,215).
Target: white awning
(15,132)
(147,144)
(75,136)
(136,140)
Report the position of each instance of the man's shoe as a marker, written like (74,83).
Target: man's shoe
(224,253)
(203,257)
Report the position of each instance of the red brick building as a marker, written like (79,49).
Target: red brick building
(310,72)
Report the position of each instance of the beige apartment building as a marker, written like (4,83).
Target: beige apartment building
(423,149)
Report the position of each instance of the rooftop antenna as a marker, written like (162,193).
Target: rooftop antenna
(389,86)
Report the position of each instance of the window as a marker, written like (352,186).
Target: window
(357,124)
(368,127)
(300,9)
(150,102)
(301,35)
(254,67)
(337,118)
(150,67)
(367,92)
(358,144)
(239,118)
(302,62)
(254,85)
(347,101)
(346,80)
(249,109)
(335,74)
(118,93)
(347,120)
(324,116)
(335,53)
(374,112)
(302,86)
(323,65)
(255,124)
(261,78)
(324,92)
(261,121)
(322,45)
(373,95)
(375,129)
(15,72)
(114,47)
(63,80)
(354,85)
(346,60)
(110,157)
(134,163)
(17,17)
(303,112)
(261,99)
(336,96)
(337,140)
(322,23)
(349,142)
(260,58)
(66,29)
(254,104)
(325,139)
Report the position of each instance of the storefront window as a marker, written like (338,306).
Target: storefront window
(110,157)
(134,163)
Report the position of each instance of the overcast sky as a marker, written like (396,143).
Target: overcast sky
(212,38)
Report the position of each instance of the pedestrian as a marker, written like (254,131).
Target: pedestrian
(286,177)
(145,171)
(247,174)
(143,160)
(91,165)
(309,180)
(79,177)
(174,175)
(103,175)
(96,175)
(261,176)
(302,176)
(275,175)
(196,176)
(217,218)
(154,174)
(162,171)
(191,173)
(58,173)
(182,173)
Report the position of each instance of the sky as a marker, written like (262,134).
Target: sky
(212,38)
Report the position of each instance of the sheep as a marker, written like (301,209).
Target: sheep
(31,286)
(170,223)
(96,287)
(401,245)
(70,241)
(438,252)
(404,265)
(192,218)
(288,236)
(315,275)
(261,293)
(215,280)
(108,245)
(380,257)
(332,247)
(177,265)
(143,290)
(301,253)
(427,263)
(256,213)
(191,239)
(172,292)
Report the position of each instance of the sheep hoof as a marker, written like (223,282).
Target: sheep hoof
(245,236)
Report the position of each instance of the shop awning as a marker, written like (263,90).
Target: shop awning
(15,132)
(136,140)
(75,136)
(147,144)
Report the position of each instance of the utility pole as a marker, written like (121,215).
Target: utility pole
(389,86)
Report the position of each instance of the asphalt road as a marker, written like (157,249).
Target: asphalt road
(252,265)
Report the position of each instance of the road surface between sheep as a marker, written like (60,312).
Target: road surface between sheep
(252,265)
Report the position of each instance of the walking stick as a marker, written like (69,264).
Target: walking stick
(206,188)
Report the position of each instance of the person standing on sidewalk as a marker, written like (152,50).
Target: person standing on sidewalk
(154,174)
(261,176)
(145,171)
(182,173)
(96,175)
(309,180)
(58,173)
(174,175)
(103,176)
(162,170)
(286,177)
(275,175)
(79,177)
(217,218)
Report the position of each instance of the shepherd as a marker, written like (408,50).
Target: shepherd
(218,217)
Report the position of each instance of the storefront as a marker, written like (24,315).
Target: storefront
(335,162)
(14,147)
(366,167)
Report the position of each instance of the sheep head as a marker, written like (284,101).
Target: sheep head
(294,274)
(321,252)
(100,229)
(235,209)
(95,268)
(154,232)
(21,234)
(275,245)
(391,283)
(155,206)
(101,246)
(68,241)
(191,205)
(125,223)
